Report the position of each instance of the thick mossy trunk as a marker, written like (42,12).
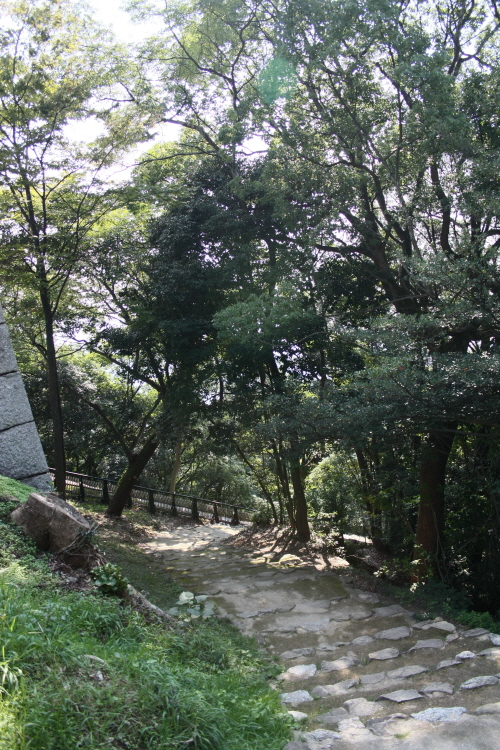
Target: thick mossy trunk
(299,499)
(431,509)
(137,464)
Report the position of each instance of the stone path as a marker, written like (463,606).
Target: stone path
(358,673)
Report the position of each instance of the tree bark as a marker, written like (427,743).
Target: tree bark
(299,498)
(137,464)
(54,393)
(176,466)
(431,510)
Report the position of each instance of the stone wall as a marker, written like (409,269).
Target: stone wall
(21,452)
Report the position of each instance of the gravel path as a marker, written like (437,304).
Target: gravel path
(358,673)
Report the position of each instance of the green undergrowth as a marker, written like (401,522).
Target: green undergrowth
(81,670)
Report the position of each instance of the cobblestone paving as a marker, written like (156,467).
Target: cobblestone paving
(358,673)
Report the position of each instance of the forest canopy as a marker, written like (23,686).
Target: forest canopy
(295,305)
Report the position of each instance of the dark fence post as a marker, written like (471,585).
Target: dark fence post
(194,510)
(105,492)
(235,520)
(82,491)
(151,501)
(173,507)
(216,513)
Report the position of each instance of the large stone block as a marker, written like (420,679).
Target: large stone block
(14,405)
(7,357)
(21,453)
(52,526)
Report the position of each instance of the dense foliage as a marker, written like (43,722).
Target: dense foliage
(297,302)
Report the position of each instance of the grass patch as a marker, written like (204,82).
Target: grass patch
(14,489)
(83,671)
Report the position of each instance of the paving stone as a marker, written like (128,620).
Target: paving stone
(385,653)
(440,714)
(369,598)
(338,688)
(390,611)
(405,672)
(447,627)
(495,639)
(353,730)
(319,735)
(429,643)
(372,679)
(296,745)
(298,696)
(422,624)
(362,640)
(400,696)
(298,715)
(478,682)
(296,653)
(300,672)
(393,634)
(333,716)
(488,708)
(438,687)
(491,653)
(451,637)
(475,632)
(387,726)
(463,655)
(362,707)
(345,662)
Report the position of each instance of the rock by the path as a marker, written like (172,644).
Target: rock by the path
(446,688)
(429,643)
(488,708)
(388,726)
(440,714)
(297,697)
(345,662)
(368,598)
(385,653)
(390,611)
(298,715)
(393,634)
(478,682)
(354,730)
(491,653)
(333,716)
(400,696)
(463,655)
(296,653)
(448,663)
(300,672)
(338,688)
(495,639)
(362,707)
(362,640)
(296,745)
(405,672)
(372,679)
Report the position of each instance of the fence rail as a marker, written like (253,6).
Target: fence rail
(84,487)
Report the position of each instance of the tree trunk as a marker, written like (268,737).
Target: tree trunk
(299,497)
(54,395)
(431,510)
(137,464)
(176,467)
(374,514)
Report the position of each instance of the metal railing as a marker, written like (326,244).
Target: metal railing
(83,487)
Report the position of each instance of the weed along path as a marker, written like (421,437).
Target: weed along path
(358,673)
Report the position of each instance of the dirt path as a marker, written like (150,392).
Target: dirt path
(357,672)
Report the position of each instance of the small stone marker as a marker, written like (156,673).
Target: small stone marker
(385,653)
(478,682)
(440,714)
(400,696)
